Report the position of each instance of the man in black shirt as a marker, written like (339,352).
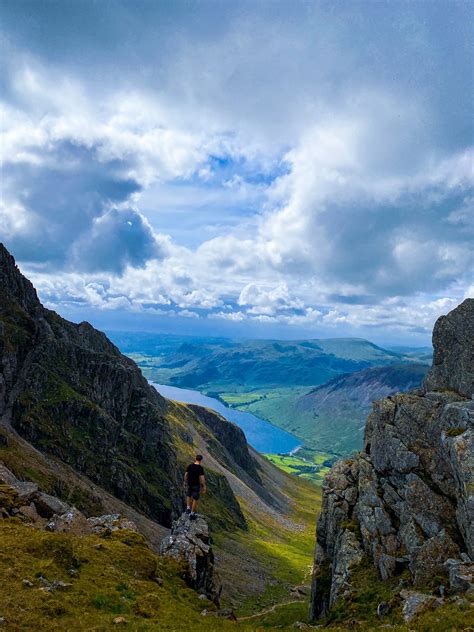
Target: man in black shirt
(194,481)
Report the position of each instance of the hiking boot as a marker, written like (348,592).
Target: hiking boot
(188,511)
(193,516)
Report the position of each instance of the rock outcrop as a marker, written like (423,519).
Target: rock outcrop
(24,500)
(68,390)
(406,502)
(189,542)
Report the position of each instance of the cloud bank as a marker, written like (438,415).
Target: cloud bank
(279,166)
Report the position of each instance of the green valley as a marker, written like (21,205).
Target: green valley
(318,390)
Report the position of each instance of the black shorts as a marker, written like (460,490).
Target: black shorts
(193,491)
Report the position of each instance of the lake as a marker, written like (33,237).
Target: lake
(261,434)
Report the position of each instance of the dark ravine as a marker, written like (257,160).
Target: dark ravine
(405,503)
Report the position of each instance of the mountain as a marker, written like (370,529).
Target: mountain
(215,365)
(395,536)
(332,416)
(302,386)
(78,419)
(424,355)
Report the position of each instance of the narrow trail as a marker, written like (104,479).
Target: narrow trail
(268,610)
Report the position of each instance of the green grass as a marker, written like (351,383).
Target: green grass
(117,576)
(284,552)
(306,463)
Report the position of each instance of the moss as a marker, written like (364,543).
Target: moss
(9,498)
(455,432)
(368,592)
(58,548)
(352,526)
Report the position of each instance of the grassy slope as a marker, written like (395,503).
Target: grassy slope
(277,555)
(285,550)
(117,576)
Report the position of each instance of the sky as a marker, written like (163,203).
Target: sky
(251,169)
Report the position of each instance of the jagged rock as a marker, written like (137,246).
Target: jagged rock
(7,477)
(415,603)
(47,506)
(226,613)
(111,522)
(348,554)
(408,497)
(26,490)
(189,542)
(453,360)
(72,521)
(430,558)
(29,501)
(60,585)
(461,575)
(29,512)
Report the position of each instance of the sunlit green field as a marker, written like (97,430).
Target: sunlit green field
(308,464)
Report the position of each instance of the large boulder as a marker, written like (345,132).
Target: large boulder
(453,360)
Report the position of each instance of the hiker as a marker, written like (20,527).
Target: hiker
(194,481)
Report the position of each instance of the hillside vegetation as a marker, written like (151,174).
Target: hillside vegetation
(331,417)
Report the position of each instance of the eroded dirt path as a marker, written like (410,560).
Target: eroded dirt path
(262,613)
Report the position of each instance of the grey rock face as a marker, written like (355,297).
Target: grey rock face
(453,360)
(461,575)
(408,497)
(189,542)
(68,390)
(416,603)
(48,506)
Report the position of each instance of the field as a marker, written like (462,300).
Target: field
(305,463)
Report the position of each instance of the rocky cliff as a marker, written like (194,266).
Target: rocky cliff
(68,391)
(405,504)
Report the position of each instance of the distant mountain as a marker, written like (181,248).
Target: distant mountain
(332,416)
(217,365)
(416,354)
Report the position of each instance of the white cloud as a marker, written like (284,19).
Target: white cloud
(350,193)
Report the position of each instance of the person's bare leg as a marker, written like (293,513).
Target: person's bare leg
(195,505)
(189,502)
